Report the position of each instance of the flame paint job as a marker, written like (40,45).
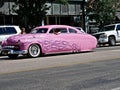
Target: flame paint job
(52,43)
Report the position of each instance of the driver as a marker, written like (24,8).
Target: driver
(57,31)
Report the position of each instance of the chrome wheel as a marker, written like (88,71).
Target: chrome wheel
(34,50)
(112,41)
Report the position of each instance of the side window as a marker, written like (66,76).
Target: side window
(52,31)
(10,30)
(118,27)
(61,30)
(43,30)
(72,31)
(2,31)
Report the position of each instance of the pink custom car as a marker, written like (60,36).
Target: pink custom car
(49,39)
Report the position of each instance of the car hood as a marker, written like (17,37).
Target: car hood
(99,33)
(24,37)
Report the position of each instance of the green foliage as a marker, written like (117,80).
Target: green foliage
(33,11)
(103,11)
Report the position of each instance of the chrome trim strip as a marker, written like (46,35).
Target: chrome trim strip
(10,51)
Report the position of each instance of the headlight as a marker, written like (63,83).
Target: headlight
(103,35)
(19,42)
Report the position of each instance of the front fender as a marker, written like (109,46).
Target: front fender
(25,45)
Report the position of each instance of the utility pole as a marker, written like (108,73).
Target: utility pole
(9,8)
(83,14)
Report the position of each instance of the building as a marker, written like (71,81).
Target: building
(6,14)
(70,14)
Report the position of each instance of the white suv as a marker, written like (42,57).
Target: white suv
(109,34)
(7,31)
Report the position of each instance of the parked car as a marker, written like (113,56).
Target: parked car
(80,29)
(7,31)
(109,34)
(46,40)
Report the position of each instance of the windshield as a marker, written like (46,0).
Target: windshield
(39,30)
(107,28)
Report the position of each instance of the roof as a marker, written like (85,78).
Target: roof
(112,24)
(46,26)
(9,25)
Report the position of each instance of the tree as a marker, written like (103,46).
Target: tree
(103,11)
(33,11)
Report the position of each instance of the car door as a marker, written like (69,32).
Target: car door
(118,32)
(76,39)
(68,40)
(57,42)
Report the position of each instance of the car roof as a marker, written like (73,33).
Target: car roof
(112,24)
(9,26)
(58,26)
(51,26)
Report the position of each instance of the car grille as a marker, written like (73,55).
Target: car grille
(12,47)
(97,36)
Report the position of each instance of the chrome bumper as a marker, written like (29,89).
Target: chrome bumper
(102,40)
(10,51)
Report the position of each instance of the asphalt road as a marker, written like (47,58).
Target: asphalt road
(98,70)
(25,64)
